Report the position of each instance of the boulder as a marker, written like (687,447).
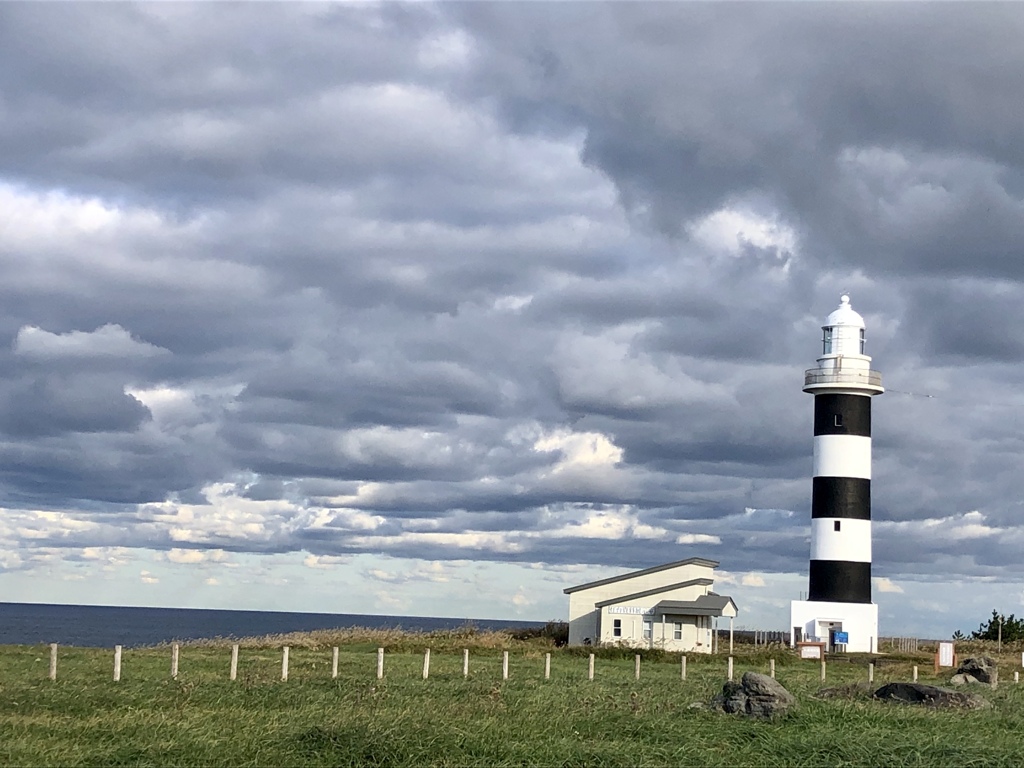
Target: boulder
(929,696)
(756,695)
(980,669)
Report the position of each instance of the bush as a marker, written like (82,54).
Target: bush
(555,631)
(1012,628)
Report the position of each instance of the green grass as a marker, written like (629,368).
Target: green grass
(202,718)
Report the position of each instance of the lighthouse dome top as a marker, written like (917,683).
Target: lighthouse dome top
(845,315)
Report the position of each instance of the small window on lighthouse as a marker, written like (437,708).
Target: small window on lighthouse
(839,419)
(836,525)
(826,341)
(862,341)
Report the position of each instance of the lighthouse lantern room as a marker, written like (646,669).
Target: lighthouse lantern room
(839,610)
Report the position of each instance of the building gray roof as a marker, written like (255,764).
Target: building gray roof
(632,574)
(656,590)
(705,605)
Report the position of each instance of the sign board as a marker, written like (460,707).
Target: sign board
(840,638)
(946,654)
(630,610)
(810,650)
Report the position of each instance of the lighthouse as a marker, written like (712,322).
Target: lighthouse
(839,610)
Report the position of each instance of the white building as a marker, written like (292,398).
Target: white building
(668,606)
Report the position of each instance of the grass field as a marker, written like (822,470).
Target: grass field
(202,718)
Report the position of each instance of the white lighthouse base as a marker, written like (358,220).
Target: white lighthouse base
(814,620)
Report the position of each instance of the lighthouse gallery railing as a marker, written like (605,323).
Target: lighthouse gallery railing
(842,376)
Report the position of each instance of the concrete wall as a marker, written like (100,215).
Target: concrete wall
(859,620)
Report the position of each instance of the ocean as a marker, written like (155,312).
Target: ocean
(107,626)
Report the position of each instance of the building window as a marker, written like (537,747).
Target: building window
(648,630)
(839,419)
(677,631)
(826,341)
(836,525)
(617,628)
(862,341)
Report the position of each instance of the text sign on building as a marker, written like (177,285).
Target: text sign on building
(630,609)
(841,638)
(945,654)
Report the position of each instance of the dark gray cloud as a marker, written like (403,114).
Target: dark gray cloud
(503,282)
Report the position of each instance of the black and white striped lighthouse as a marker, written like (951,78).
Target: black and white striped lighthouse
(839,598)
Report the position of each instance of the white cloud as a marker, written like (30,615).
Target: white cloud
(883,584)
(580,449)
(148,578)
(109,340)
(730,230)
(697,538)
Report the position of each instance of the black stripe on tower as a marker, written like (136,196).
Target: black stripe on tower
(848,497)
(842,415)
(838,581)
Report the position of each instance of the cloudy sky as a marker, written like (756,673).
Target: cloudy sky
(438,309)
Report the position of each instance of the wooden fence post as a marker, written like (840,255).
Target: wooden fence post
(284,663)
(465,662)
(234,661)
(636,667)
(682,670)
(871,672)
(590,669)
(915,673)
(117,663)
(174,661)
(730,668)
(1016,677)
(547,666)
(380,663)
(334,663)
(53,661)
(426,664)
(771,667)
(823,669)
(504,665)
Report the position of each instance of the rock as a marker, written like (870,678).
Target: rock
(980,669)
(756,695)
(929,696)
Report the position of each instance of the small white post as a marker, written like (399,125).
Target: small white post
(284,663)
(504,665)
(117,663)
(636,667)
(590,669)
(1016,677)
(915,673)
(682,670)
(380,663)
(465,662)
(730,637)
(871,672)
(174,661)
(771,667)
(823,669)
(234,661)
(334,663)
(426,664)
(53,661)
(730,668)
(547,666)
